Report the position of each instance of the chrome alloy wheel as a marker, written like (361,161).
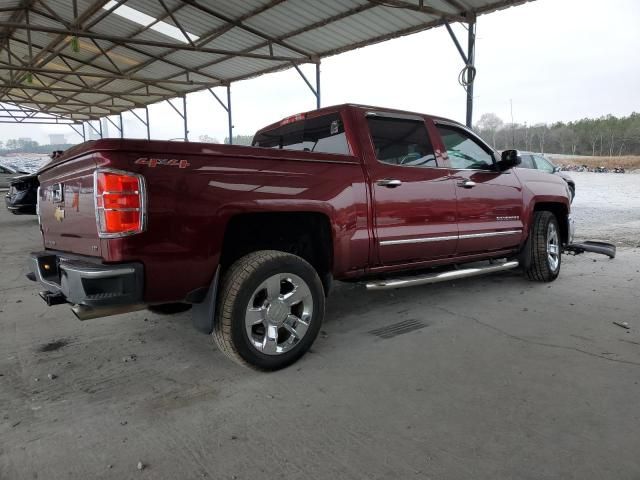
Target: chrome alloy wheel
(279,313)
(553,247)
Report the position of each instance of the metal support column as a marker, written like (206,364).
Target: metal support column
(184,110)
(182,114)
(470,70)
(146,112)
(316,90)
(77,130)
(116,126)
(227,108)
(468,73)
(145,123)
(318,85)
(229,120)
(99,132)
(121,126)
(84,134)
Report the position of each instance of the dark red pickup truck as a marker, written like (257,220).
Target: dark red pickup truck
(253,236)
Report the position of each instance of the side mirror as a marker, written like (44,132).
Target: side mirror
(509,159)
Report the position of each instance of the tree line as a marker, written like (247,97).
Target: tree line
(609,135)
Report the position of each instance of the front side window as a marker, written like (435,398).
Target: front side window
(401,142)
(321,134)
(543,164)
(463,150)
(527,161)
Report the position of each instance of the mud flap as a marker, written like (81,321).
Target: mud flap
(202,314)
(602,248)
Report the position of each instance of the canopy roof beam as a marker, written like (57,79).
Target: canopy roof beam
(227,109)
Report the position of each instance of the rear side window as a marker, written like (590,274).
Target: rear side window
(321,134)
(401,142)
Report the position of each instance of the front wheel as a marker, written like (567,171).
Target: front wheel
(270,309)
(545,248)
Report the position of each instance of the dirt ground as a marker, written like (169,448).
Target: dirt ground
(500,378)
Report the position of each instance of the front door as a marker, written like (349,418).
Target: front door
(489,210)
(413,197)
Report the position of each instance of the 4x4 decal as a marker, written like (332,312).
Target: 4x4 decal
(162,162)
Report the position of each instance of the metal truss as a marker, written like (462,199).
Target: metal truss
(58,59)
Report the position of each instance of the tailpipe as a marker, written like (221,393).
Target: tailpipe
(85,312)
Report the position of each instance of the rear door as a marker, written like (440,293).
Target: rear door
(489,203)
(414,203)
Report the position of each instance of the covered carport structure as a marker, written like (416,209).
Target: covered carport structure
(78,61)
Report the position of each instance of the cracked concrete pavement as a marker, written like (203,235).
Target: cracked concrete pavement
(506,379)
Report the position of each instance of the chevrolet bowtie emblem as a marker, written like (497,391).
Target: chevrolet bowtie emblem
(59,214)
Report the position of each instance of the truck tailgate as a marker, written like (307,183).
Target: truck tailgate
(67,209)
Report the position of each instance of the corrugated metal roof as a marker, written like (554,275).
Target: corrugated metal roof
(115,58)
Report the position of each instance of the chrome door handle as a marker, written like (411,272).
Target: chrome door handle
(389,182)
(467,184)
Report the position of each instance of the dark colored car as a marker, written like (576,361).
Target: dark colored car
(22,197)
(538,162)
(7,173)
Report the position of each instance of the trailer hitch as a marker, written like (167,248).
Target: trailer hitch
(602,248)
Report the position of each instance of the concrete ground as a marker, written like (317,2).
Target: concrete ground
(504,379)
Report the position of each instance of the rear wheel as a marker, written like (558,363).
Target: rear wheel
(545,248)
(270,309)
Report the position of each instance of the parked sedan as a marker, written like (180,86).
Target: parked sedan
(538,162)
(23,195)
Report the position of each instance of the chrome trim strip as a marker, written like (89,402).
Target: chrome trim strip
(451,237)
(490,234)
(418,240)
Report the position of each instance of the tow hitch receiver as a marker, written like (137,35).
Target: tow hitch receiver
(53,298)
(603,248)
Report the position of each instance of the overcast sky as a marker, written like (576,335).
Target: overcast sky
(555,59)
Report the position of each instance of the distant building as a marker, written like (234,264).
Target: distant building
(57,139)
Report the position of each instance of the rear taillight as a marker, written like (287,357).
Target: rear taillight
(120,203)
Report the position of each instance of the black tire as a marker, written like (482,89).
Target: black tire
(572,189)
(541,268)
(239,285)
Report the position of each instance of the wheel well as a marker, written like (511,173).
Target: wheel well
(561,212)
(305,234)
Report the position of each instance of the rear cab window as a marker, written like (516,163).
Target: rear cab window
(323,134)
(401,141)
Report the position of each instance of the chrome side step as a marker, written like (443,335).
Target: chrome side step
(439,277)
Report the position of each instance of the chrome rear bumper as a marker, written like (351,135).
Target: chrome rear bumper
(86,282)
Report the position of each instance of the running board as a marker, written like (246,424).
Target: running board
(440,277)
(603,248)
